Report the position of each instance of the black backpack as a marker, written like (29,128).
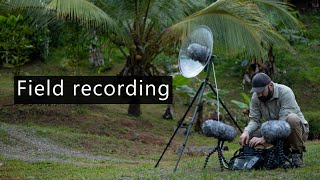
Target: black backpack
(251,158)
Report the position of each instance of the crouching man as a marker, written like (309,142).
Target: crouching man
(274,101)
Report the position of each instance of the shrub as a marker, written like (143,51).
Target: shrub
(314,123)
(15,47)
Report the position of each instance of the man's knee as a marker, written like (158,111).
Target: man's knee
(293,120)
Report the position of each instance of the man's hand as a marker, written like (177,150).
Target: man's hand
(255,141)
(244,138)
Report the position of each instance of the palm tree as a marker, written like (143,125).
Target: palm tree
(142,29)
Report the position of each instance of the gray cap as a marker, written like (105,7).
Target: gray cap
(259,82)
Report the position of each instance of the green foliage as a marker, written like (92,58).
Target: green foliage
(40,40)
(246,98)
(75,39)
(73,66)
(313,75)
(233,64)
(298,68)
(71,50)
(314,123)
(241,105)
(179,80)
(303,66)
(106,67)
(294,36)
(311,20)
(244,106)
(187,88)
(15,47)
(246,101)
(147,28)
(166,62)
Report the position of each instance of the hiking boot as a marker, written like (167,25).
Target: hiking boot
(297,160)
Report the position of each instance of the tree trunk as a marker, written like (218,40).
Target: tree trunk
(7,56)
(270,65)
(46,45)
(134,110)
(95,54)
(133,70)
(135,66)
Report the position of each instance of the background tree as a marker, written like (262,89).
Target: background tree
(142,29)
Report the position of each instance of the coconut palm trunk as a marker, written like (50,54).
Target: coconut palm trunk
(136,65)
(133,70)
(95,54)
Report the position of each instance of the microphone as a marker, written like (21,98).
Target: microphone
(219,130)
(198,52)
(275,130)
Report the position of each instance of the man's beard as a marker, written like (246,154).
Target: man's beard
(268,97)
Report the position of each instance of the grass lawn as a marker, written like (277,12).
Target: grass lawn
(190,167)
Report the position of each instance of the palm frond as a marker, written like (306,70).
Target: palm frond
(168,12)
(33,11)
(84,12)
(279,13)
(21,4)
(239,26)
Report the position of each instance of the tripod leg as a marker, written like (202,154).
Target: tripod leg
(191,123)
(225,163)
(208,156)
(234,121)
(179,124)
(220,155)
(282,157)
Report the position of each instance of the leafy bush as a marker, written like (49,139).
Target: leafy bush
(15,47)
(40,40)
(75,40)
(312,74)
(106,67)
(314,123)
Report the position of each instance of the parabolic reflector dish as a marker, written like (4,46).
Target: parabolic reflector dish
(195,51)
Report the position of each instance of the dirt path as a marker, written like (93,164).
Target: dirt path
(24,145)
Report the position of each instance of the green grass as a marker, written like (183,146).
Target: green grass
(5,138)
(190,167)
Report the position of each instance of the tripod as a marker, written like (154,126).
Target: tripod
(200,91)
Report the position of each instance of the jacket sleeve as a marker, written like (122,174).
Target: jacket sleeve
(254,116)
(288,104)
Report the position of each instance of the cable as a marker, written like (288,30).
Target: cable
(215,82)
